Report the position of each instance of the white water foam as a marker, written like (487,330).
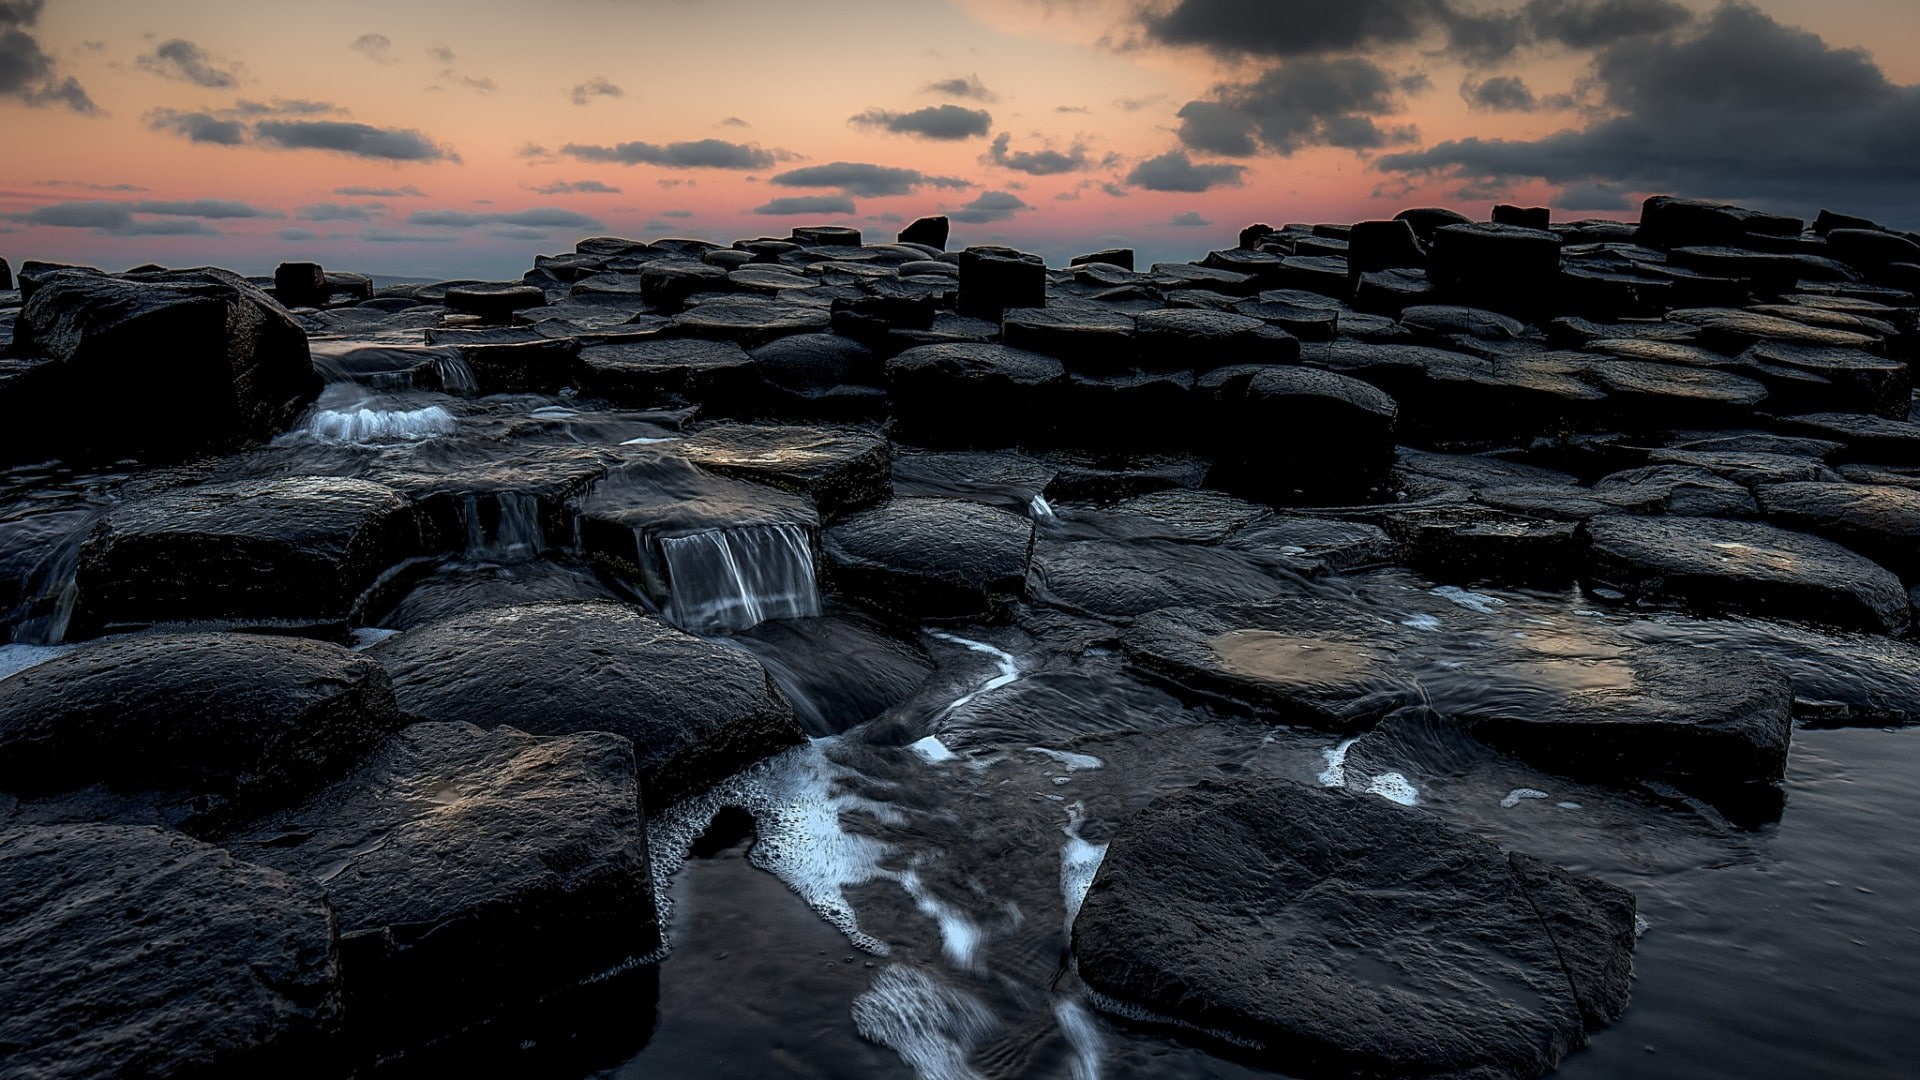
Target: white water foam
(1079,862)
(737,579)
(366,637)
(1472,601)
(1083,1034)
(1335,774)
(456,377)
(1515,796)
(367,425)
(1421,622)
(1394,787)
(932,750)
(1040,509)
(1007,668)
(796,803)
(932,1026)
(960,939)
(1073,762)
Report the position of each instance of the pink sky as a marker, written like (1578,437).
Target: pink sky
(239,103)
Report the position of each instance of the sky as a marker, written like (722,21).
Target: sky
(443,138)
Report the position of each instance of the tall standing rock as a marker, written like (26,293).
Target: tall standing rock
(167,363)
(931,231)
(993,279)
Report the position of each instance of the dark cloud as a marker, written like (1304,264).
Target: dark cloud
(1309,102)
(1071,109)
(596,87)
(218,209)
(375,47)
(1189,220)
(1298,29)
(518,232)
(296,235)
(1744,108)
(407,192)
(353,139)
(807,204)
(198,127)
(734,121)
(539,217)
(1035,162)
(859,178)
(88,186)
(576,187)
(27,73)
(1174,171)
(339,212)
(388,236)
(680,214)
(969,87)
(699,154)
(952,122)
(181,59)
(285,107)
(119,218)
(1502,93)
(989,206)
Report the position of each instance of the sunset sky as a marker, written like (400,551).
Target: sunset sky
(443,138)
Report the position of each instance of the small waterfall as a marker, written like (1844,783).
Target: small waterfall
(515,534)
(738,578)
(364,425)
(47,605)
(456,377)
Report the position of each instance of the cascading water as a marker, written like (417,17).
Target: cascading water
(515,534)
(455,376)
(364,424)
(735,579)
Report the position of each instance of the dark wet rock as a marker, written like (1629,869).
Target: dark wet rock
(814,365)
(6,276)
(749,320)
(1291,661)
(1748,468)
(1475,543)
(230,722)
(1527,217)
(973,395)
(1427,221)
(1757,442)
(695,711)
(1200,340)
(668,284)
(1872,249)
(1119,580)
(1686,490)
(1416,471)
(471,870)
(1730,330)
(1183,276)
(993,279)
(133,951)
(167,364)
(840,470)
(292,552)
(1880,522)
(483,498)
(997,478)
(718,374)
(889,306)
(1086,337)
(1296,432)
(1444,321)
(533,367)
(1207,892)
(1188,516)
(1110,480)
(1864,438)
(1644,394)
(1851,380)
(768,281)
(1769,274)
(1129,410)
(1323,274)
(1257,265)
(1120,257)
(1667,222)
(1311,546)
(625,287)
(1714,723)
(1740,566)
(1304,321)
(1384,245)
(493,301)
(931,231)
(1500,267)
(1390,292)
(932,558)
(300,283)
(827,236)
(839,670)
(461,588)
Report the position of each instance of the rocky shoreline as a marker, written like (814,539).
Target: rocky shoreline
(367,643)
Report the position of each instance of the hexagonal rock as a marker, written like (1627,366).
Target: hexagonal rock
(133,951)
(749,320)
(695,711)
(294,552)
(231,721)
(1746,567)
(1878,521)
(1297,430)
(924,558)
(714,373)
(1199,340)
(1293,661)
(494,301)
(1086,337)
(973,394)
(993,279)
(840,470)
(1334,934)
(166,363)
(472,869)
(1502,267)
